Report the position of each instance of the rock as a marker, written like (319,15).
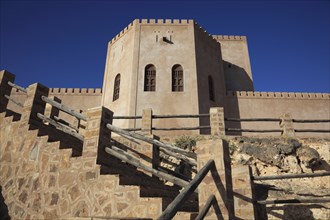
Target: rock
(291,164)
(243,159)
(308,156)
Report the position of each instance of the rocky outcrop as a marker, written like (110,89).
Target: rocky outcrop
(276,156)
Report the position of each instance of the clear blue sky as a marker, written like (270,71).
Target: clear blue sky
(64,43)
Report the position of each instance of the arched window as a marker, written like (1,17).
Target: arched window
(177,78)
(116,88)
(211,88)
(150,78)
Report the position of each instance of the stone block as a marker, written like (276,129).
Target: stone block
(146,127)
(217,121)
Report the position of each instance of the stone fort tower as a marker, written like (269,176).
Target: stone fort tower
(173,67)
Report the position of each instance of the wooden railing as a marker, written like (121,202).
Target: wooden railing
(19,88)
(292,176)
(175,205)
(167,117)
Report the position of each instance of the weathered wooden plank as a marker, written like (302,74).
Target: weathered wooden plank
(312,130)
(206,208)
(292,201)
(311,120)
(17,87)
(180,116)
(64,108)
(126,157)
(172,208)
(181,128)
(252,130)
(127,117)
(61,127)
(190,161)
(151,141)
(291,176)
(252,119)
(14,101)
(63,122)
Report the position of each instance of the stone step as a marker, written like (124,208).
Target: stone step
(191,205)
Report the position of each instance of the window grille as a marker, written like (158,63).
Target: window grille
(150,78)
(116,88)
(177,78)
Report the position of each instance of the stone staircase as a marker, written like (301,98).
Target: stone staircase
(43,179)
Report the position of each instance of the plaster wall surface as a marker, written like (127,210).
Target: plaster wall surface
(275,104)
(164,55)
(209,64)
(236,62)
(120,60)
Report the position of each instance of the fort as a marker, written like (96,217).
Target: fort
(78,153)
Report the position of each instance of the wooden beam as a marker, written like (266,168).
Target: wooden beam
(311,120)
(151,141)
(180,116)
(291,176)
(17,87)
(252,119)
(14,101)
(130,159)
(293,201)
(190,161)
(61,127)
(127,117)
(64,108)
(175,205)
(61,121)
(312,130)
(182,128)
(206,208)
(252,130)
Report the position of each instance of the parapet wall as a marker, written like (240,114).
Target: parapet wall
(150,22)
(289,95)
(301,106)
(229,37)
(76,98)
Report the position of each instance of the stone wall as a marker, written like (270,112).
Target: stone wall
(243,104)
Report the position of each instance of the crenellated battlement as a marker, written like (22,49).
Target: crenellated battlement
(198,27)
(151,22)
(229,37)
(122,33)
(165,21)
(66,91)
(283,95)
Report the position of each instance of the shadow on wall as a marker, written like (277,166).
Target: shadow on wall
(237,79)
(16,116)
(294,211)
(4,215)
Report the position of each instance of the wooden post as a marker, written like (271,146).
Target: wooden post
(217,121)
(34,105)
(5,89)
(146,121)
(287,125)
(128,158)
